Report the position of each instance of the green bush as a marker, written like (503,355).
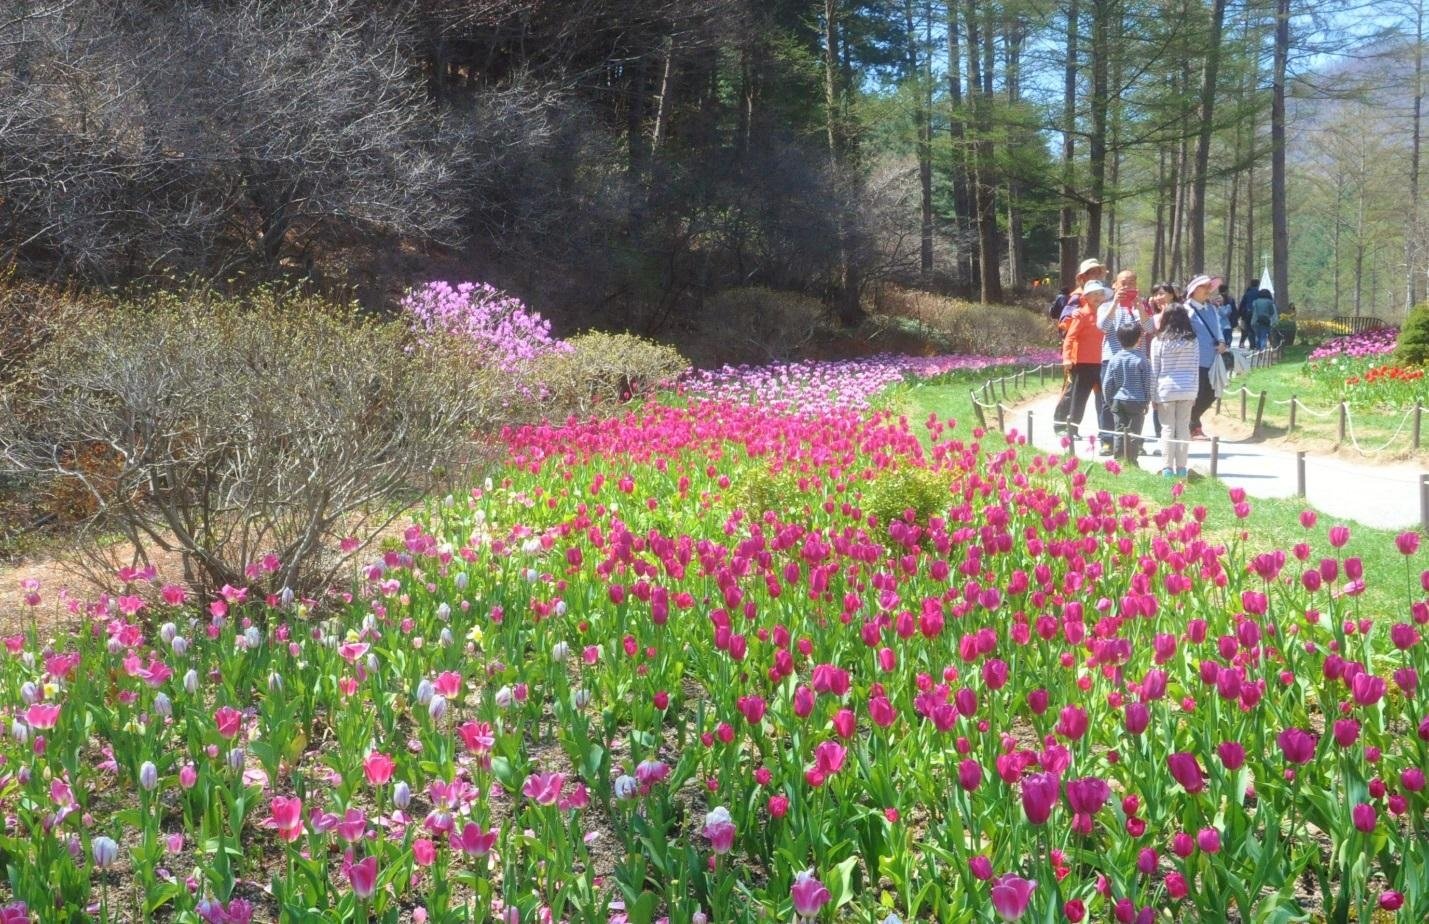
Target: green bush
(601,367)
(1286,328)
(1413,347)
(922,491)
(228,431)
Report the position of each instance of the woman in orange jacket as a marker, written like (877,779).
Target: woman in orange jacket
(1082,359)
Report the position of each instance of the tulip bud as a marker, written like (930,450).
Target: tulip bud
(163,706)
(286,597)
(625,787)
(148,776)
(580,698)
(180,645)
(437,707)
(167,632)
(188,776)
(560,652)
(275,682)
(504,698)
(425,692)
(104,850)
(252,637)
(401,795)
(29,692)
(19,731)
(446,637)
(191,682)
(461,580)
(236,759)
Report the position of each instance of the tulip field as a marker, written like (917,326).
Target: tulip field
(745,655)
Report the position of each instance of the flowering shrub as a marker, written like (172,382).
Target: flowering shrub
(498,325)
(597,688)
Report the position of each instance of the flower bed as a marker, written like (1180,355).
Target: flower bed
(817,386)
(721,662)
(1366,345)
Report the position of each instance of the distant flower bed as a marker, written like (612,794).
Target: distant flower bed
(817,386)
(1368,343)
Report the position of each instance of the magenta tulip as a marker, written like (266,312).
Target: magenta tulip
(1011,895)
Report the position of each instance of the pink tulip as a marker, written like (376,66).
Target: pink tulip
(719,830)
(377,767)
(1297,745)
(363,877)
(473,840)
(1011,896)
(1186,771)
(1039,794)
(1209,840)
(228,720)
(544,788)
(42,715)
(1364,817)
(287,817)
(809,894)
(352,826)
(1407,542)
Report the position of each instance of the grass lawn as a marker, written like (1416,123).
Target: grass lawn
(1273,523)
(1380,424)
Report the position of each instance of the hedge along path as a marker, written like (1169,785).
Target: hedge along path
(1383,496)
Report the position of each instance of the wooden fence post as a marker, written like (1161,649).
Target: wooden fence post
(1418,420)
(1294,401)
(977,410)
(1259,413)
(1243,394)
(1001,423)
(1344,420)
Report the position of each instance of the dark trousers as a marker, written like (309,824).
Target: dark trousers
(1128,418)
(1205,397)
(1083,380)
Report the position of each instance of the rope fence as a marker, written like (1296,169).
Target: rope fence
(994,392)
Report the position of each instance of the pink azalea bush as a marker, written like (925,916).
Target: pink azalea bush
(602,687)
(496,323)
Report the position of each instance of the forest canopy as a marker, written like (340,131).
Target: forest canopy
(637,157)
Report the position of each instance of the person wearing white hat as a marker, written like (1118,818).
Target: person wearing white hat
(1091,270)
(1211,342)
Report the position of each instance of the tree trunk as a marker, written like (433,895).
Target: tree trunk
(1339,198)
(635,119)
(916,70)
(985,190)
(1279,217)
(1363,180)
(1251,41)
(1016,260)
(663,107)
(1158,246)
(962,200)
(1411,234)
(1067,227)
(1096,155)
(850,312)
(1209,72)
(1113,233)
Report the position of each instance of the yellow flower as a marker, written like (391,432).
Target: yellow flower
(475,635)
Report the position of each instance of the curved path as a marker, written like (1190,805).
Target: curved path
(1385,496)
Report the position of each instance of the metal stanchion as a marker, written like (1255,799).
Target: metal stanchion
(1424,503)
(1418,419)
(1029,428)
(1243,394)
(1215,455)
(1294,402)
(1300,473)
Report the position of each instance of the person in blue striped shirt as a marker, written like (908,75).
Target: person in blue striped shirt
(1126,385)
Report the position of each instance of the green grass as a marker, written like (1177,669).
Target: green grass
(1379,430)
(1272,524)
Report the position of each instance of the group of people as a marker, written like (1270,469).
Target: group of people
(1130,355)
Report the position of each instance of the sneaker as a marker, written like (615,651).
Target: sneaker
(1105,450)
(1199,435)
(1182,473)
(1167,473)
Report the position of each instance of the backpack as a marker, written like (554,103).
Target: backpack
(1262,312)
(1055,310)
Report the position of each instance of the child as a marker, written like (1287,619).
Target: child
(1126,386)
(1175,368)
